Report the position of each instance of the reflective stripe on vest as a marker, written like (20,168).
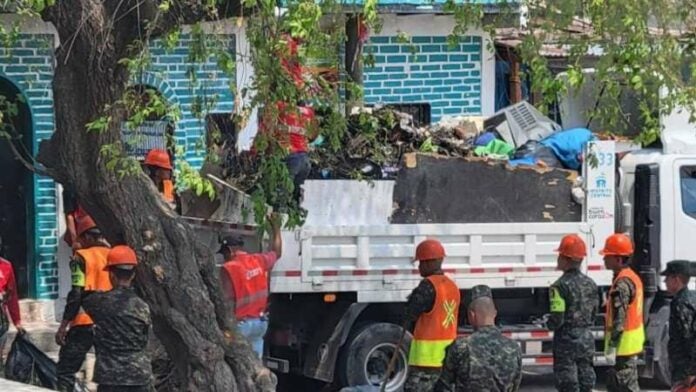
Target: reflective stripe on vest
(436,329)
(633,335)
(96,279)
(249,284)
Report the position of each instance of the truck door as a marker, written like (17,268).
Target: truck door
(685,209)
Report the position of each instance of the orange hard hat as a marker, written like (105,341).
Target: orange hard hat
(121,256)
(159,158)
(572,246)
(84,224)
(617,245)
(429,250)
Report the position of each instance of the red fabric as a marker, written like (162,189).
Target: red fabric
(292,127)
(8,287)
(248,275)
(290,61)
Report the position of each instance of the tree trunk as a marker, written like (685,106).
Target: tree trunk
(177,276)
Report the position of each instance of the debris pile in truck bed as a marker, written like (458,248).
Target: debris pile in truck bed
(377,139)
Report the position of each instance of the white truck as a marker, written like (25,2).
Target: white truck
(338,293)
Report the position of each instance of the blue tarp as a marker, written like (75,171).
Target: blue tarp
(568,145)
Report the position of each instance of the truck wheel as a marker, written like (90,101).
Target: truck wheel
(366,355)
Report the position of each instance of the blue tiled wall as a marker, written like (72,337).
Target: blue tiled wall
(29,65)
(170,75)
(426,70)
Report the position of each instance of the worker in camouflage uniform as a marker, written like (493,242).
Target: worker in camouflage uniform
(573,304)
(485,361)
(682,325)
(434,304)
(122,325)
(624,333)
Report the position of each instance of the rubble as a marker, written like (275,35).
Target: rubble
(377,139)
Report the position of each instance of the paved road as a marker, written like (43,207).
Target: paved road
(542,381)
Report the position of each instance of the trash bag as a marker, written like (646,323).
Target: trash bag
(29,365)
(539,152)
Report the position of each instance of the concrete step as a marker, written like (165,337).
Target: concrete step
(39,310)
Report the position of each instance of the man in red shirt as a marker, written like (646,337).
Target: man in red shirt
(9,302)
(295,125)
(244,278)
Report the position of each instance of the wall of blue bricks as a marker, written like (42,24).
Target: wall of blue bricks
(170,75)
(29,65)
(426,70)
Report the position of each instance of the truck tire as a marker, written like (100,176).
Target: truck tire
(366,354)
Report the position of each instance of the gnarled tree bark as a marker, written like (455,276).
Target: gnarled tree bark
(177,276)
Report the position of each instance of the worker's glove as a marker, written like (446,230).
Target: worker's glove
(610,355)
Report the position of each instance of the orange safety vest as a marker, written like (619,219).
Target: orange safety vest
(249,283)
(633,336)
(168,191)
(436,329)
(96,279)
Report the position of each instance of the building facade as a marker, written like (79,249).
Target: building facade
(425,70)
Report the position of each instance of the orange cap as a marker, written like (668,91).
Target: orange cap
(121,256)
(429,250)
(84,224)
(572,246)
(617,245)
(159,158)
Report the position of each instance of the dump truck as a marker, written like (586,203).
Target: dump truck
(338,292)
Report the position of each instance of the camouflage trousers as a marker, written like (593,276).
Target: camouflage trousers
(623,377)
(573,351)
(421,379)
(78,342)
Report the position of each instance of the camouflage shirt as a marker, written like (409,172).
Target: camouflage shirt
(682,335)
(122,324)
(486,361)
(421,300)
(622,295)
(574,301)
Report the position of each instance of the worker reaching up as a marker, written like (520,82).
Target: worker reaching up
(87,274)
(160,168)
(434,305)
(122,325)
(244,280)
(624,333)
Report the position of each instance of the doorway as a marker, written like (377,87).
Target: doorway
(16,184)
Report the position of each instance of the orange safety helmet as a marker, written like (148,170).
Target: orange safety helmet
(429,250)
(617,245)
(572,246)
(121,256)
(84,224)
(159,158)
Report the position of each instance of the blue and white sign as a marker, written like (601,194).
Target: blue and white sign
(600,177)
